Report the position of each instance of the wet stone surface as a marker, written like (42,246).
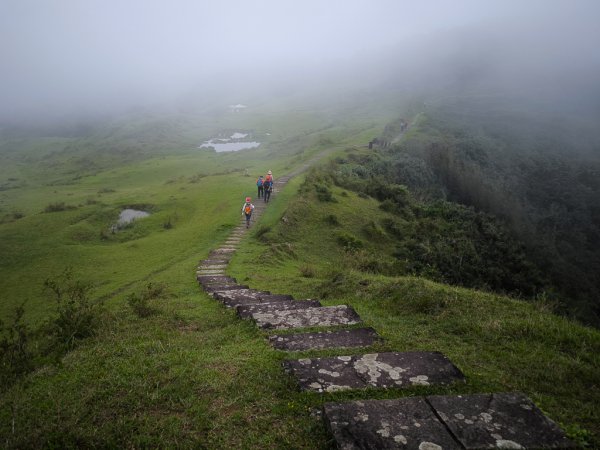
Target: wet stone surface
(383,370)
(323,316)
(407,423)
(224,287)
(208,280)
(222,251)
(505,420)
(359,337)
(212,266)
(246,311)
(276,297)
(210,272)
(214,261)
(235,297)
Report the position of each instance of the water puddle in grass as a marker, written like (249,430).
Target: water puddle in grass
(233,143)
(129,215)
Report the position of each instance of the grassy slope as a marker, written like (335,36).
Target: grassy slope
(191,375)
(194,375)
(501,344)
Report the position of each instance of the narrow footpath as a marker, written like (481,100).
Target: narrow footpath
(491,420)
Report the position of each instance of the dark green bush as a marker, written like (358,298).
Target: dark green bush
(324,194)
(349,242)
(332,219)
(307,271)
(57,207)
(16,356)
(77,316)
(140,304)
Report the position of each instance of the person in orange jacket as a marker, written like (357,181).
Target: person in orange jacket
(247,209)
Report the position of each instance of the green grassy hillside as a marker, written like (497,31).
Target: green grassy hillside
(190,373)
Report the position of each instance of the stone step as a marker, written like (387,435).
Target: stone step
(208,280)
(382,370)
(201,273)
(324,316)
(214,261)
(229,294)
(504,420)
(246,311)
(275,297)
(245,297)
(222,251)
(358,337)
(220,288)
(406,423)
(212,266)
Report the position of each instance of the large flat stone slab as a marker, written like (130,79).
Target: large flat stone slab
(358,337)
(227,287)
(276,297)
(235,297)
(407,423)
(207,280)
(214,261)
(505,420)
(382,370)
(221,251)
(201,273)
(212,266)
(480,421)
(323,316)
(246,311)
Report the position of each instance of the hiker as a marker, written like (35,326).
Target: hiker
(268,188)
(247,209)
(269,177)
(259,183)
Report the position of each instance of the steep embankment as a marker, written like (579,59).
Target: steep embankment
(534,172)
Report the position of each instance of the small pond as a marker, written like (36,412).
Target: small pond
(231,144)
(129,215)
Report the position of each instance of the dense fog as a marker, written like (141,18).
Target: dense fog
(71,57)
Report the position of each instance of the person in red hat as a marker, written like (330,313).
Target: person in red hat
(247,209)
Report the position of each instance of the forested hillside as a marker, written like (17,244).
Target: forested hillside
(537,176)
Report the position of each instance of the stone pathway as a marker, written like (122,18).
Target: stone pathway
(506,420)
(382,370)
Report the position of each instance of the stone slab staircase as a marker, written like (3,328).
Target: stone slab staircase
(496,420)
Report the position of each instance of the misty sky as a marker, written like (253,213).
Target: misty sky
(61,54)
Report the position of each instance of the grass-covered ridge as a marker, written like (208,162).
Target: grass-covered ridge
(186,372)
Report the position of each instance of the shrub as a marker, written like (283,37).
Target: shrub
(374,231)
(332,219)
(77,317)
(308,271)
(140,304)
(324,193)
(57,207)
(155,290)
(16,357)
(261,232)
(349,242)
